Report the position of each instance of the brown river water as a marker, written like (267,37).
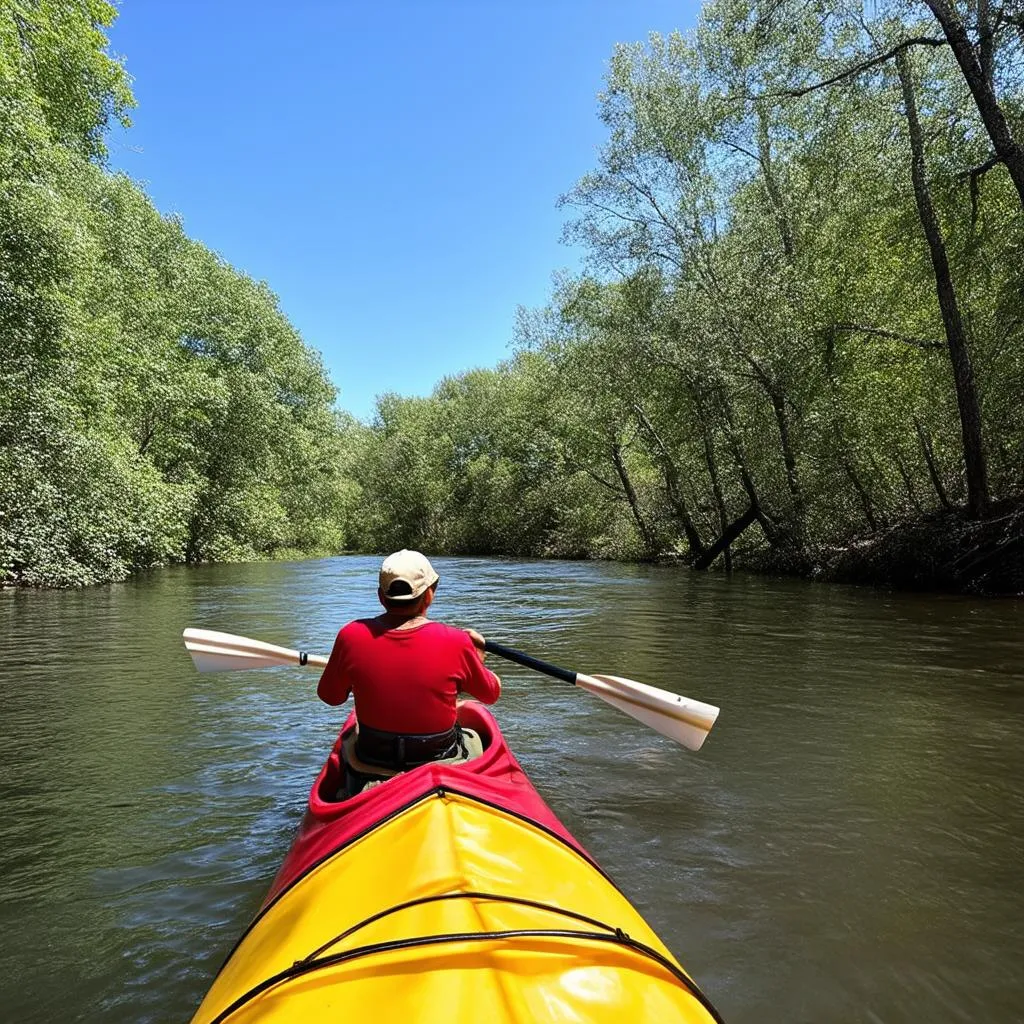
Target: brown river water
(847,847)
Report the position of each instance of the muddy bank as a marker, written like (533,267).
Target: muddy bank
(941,551)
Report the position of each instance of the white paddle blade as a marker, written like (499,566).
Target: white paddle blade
(229,641)
(686,721)
(221,659)
(213,651)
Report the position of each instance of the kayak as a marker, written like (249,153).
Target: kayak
(448,893)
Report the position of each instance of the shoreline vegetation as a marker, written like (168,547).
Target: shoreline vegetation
(798,348)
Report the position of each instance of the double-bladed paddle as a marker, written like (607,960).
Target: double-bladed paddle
(686,721)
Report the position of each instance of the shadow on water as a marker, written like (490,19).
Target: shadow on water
(846,847)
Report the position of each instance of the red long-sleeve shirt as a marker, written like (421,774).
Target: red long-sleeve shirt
(405,680)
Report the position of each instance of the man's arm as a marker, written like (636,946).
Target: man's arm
(481,682)
(332,688)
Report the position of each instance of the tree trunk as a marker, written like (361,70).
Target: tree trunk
(977,71)
(634,503)
(842,445)
(956,337)
(907,482)
(712,464)
(730,533)
(986,44)
(768,524)
(777,398)
(672,484)
(764,153)
(865,498)
(195,530)
(782,420)
(933,469)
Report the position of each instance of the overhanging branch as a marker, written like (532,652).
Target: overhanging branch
(865,65)
(880,332)
(975,175)
(976,172)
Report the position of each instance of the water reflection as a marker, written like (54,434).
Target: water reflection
(846,847)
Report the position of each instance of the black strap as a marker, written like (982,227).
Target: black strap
(470,894)
(618,938)
(401,751)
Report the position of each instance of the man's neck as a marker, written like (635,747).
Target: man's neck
(393,621)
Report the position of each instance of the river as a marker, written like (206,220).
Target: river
(848,846)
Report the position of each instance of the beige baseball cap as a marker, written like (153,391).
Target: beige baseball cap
(405,575)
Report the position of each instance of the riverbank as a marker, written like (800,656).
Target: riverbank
(942,551)
(117,572)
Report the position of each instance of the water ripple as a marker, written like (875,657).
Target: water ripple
(846,847)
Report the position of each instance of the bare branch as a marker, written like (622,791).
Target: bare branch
(614,488)
(975,175)
(880,332)
(976,172)
(677,263)
(649,195)
(741,149)
(618,214)
(863,66)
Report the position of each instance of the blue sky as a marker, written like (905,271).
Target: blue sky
(391,169)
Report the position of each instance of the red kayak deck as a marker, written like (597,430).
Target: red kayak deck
(495,778)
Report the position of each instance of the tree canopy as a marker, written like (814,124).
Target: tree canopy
(803,318)
(800,326)
(155,405)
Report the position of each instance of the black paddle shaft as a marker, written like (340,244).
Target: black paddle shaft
(530,662)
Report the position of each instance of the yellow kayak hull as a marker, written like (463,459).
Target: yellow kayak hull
(452,907)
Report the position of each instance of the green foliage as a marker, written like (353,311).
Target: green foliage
(155,405)
(761,330)
(55,49)
(758,343)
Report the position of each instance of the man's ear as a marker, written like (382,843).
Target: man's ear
(380,597)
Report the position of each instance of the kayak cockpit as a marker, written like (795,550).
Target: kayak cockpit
(344,776)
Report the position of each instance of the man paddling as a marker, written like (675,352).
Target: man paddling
(406,673)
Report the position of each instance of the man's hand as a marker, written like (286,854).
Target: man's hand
(478,641)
